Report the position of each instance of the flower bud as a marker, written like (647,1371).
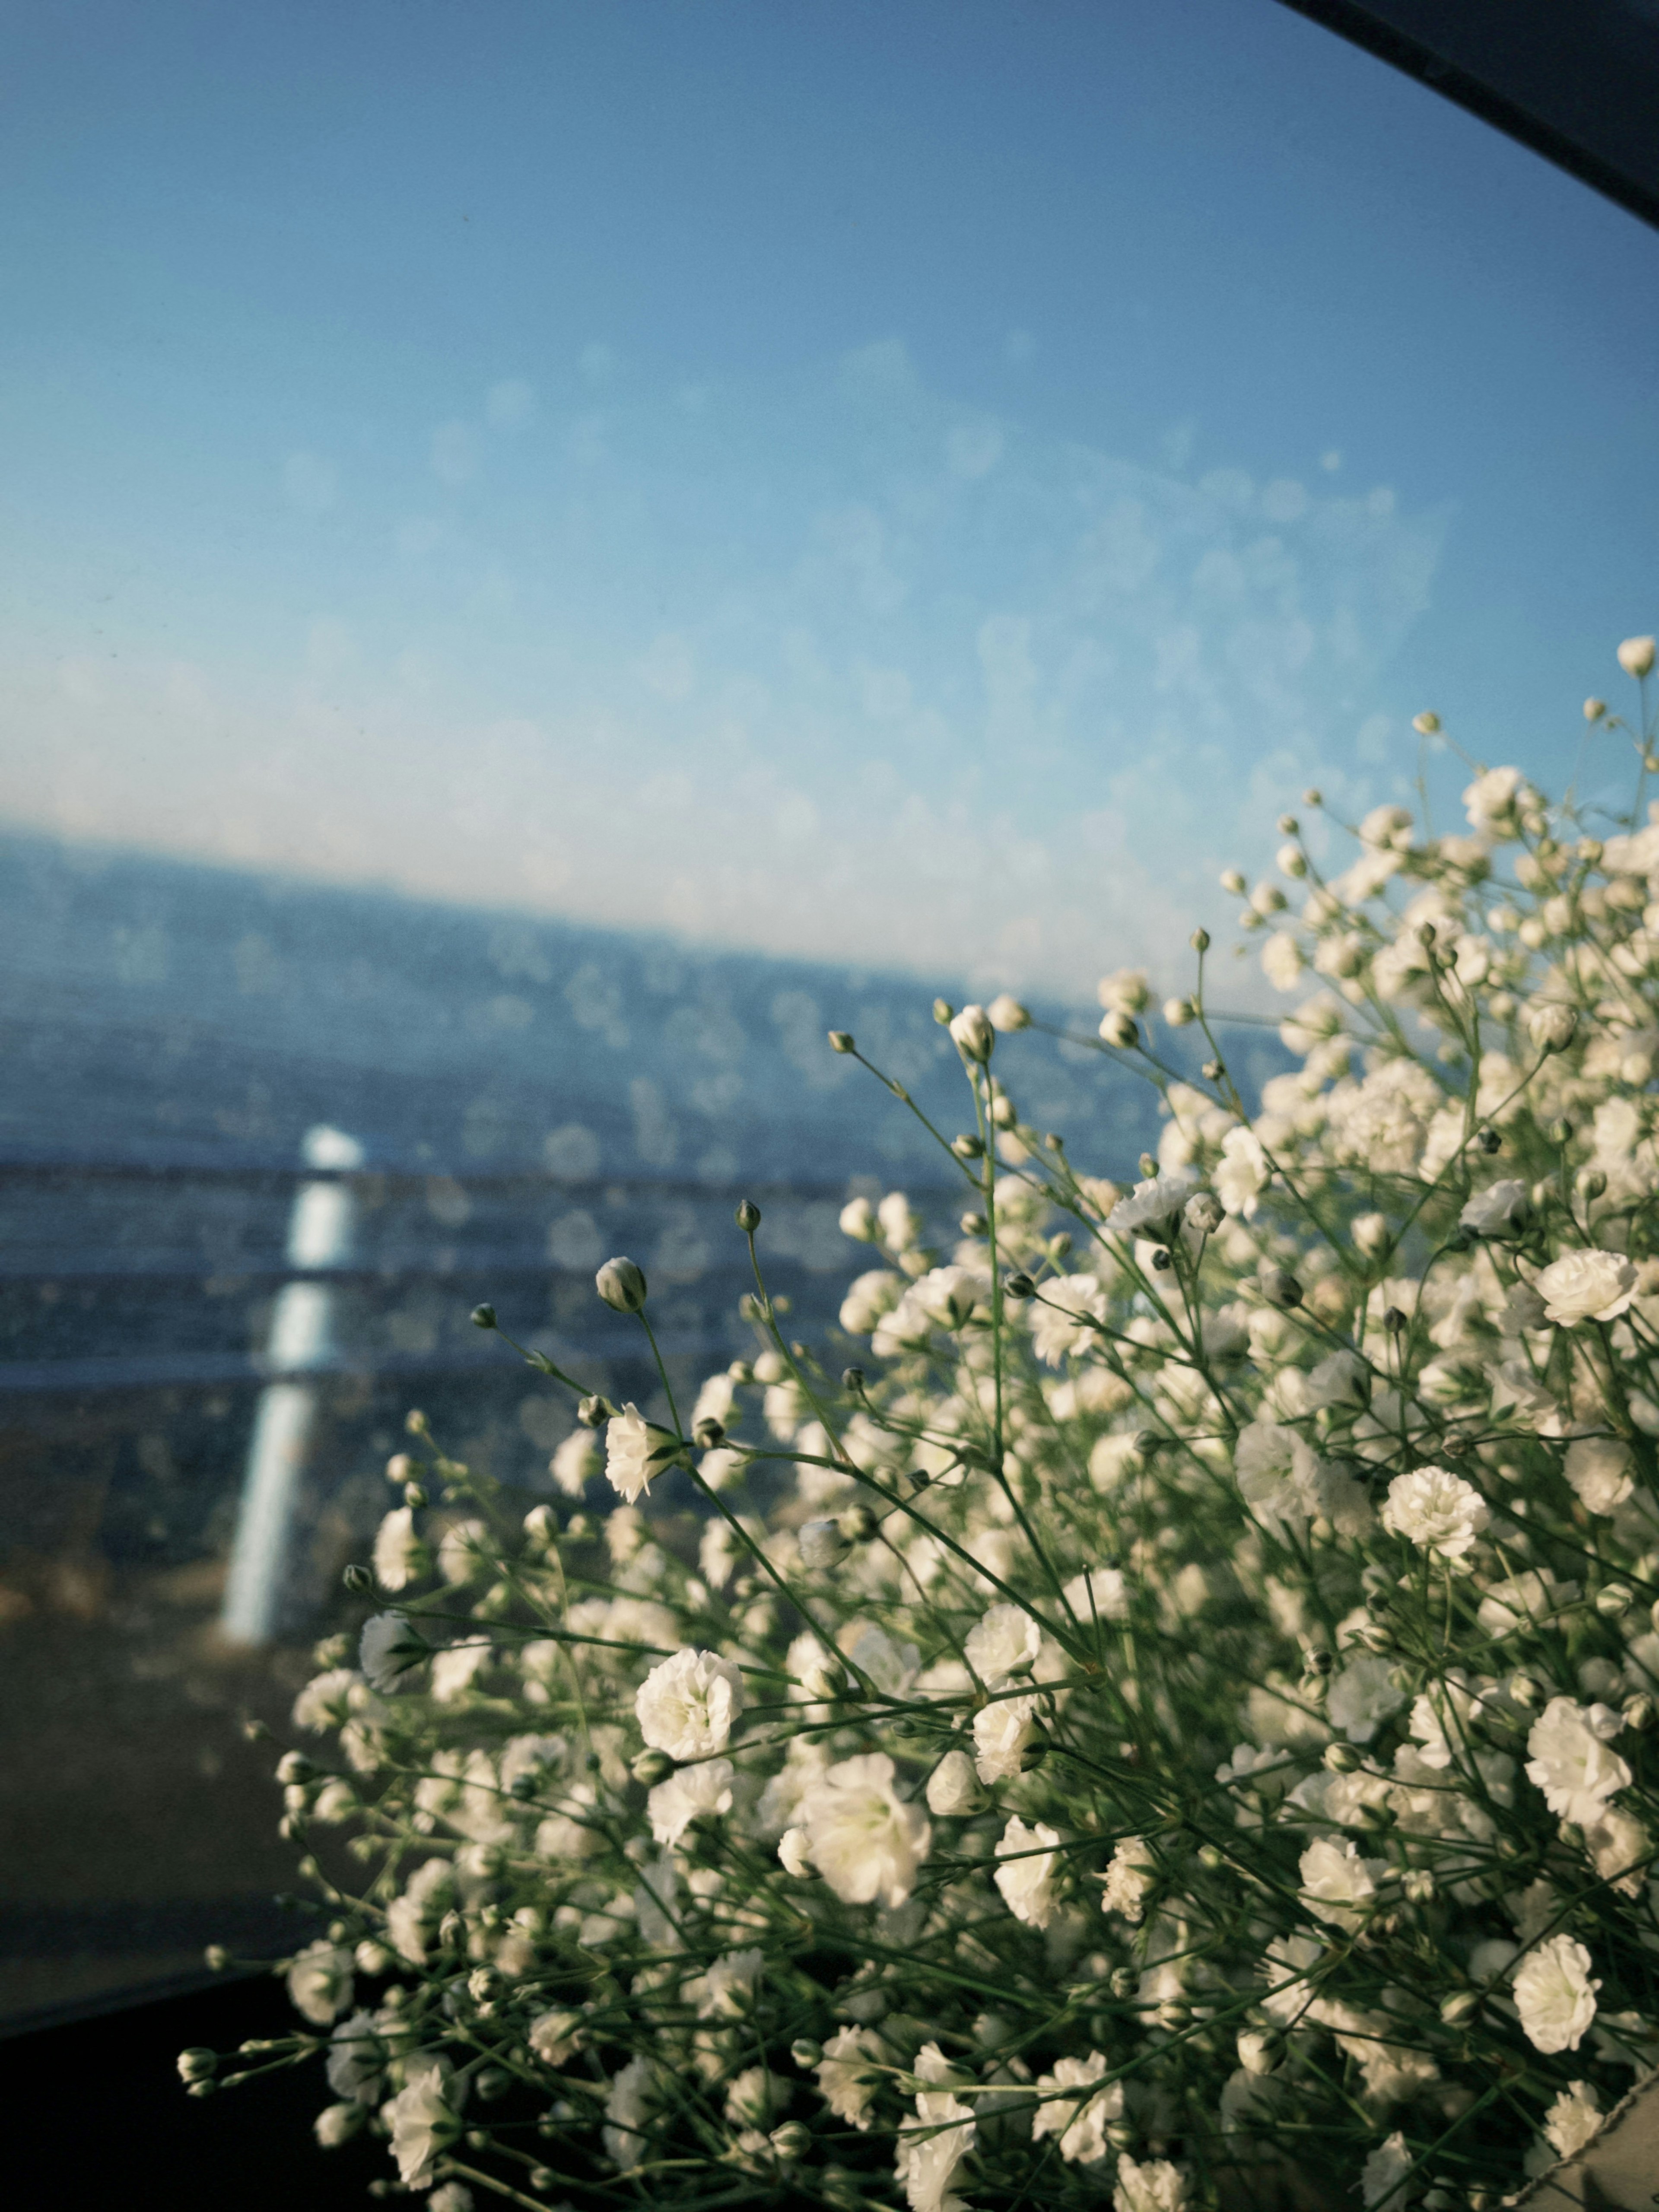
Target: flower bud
(1459,2008)
(357,1580)
(621,1284)
(944,1012)
(791,2141)
(1594,709)
(953,1786)
(748,1216)
(1232,880)
(650,1767)
(1120,1029)
(822,1544)
(1018,1286)
(215,1958)
(967,1147)
(1178,1012)
(1426,725)
(708,1433)
(841,1040)
(972,1034)
(1639,1711)
(198,2065)
(399,1468)
(1313,796)
(1200,940)
(857,1524)
(805,2053)
(1636,656)
(414,1496)
(1280,1287)
(1591,1182)
(294,1767)
(1552,1026)
(1007,1013)
(593,1412)
(1291,860)
(1203,1214)
(852,1380)
(483,1316)
(1341,1757)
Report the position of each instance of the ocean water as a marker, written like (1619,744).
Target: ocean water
(530,1097)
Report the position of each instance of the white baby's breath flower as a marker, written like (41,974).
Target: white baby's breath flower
(1338,1884)
(953,1787)
(1498,1211)
(1555,1995)
(1125,991)
(864,1839)
(1384,2169)
(943,2134)
(629,2110)
(399,1557)
(1061,1317)
(1282,960)
(1079,2120)
(1573,2120)
(674,1804)
(1602,1471)
(1569,1761)
(552,2036)
(1584,1286)
(1100,1595)
(1155,2185)
(848,2074)
(421,2122)
(868,1297)
(1361,1695)
(634,1452)
(573,1462)
(463,1551)
(1436,1511)
(1025,1875)
(319,1982)
(1002,1730)
(1005,1641)
(687,1707)
(389,1650)
(1151,1207)
(1242,1175)
(1129,1878)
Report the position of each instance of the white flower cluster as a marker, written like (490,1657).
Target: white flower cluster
(1175,1716)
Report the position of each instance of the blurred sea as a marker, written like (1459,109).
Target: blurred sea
(531,1096)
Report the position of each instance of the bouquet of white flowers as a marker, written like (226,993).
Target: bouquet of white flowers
(1172,1722)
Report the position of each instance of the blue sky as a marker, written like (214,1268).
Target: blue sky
(922,485)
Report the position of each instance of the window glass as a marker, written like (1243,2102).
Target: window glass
(552,555)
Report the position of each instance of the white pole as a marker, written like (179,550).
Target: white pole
(319,1235)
